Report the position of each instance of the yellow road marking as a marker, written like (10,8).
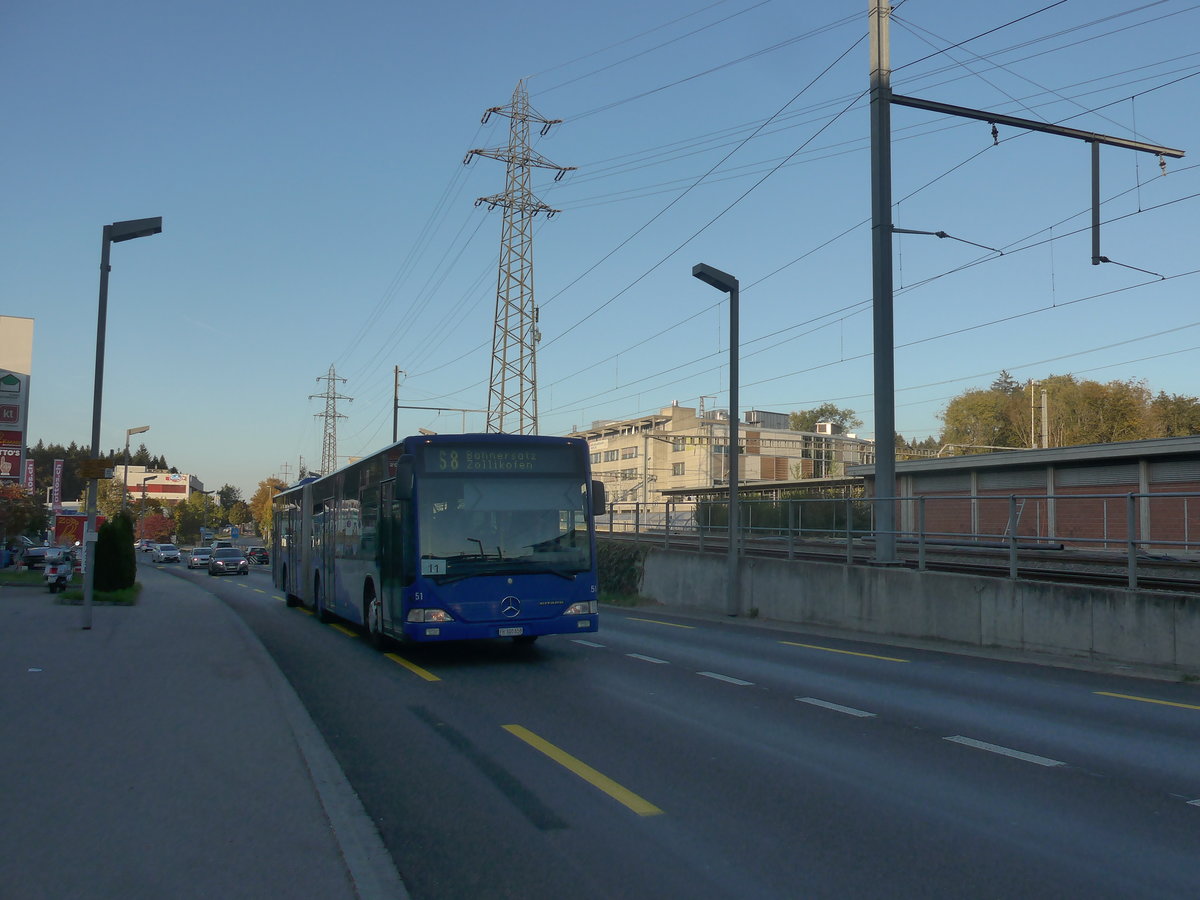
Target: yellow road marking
(1148,700)
(412,667)
(259,591)
(657,622)
(344,630)
(277,597)
(305,610)
(847,652)
(622,795)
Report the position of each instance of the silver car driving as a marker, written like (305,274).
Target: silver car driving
(164,553)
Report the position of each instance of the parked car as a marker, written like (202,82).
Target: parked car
(32,555)
(165,553)
(258,555)
(228,561)
(146,546)
(198,557)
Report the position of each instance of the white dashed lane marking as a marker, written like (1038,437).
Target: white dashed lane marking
(726,678)
(848,710)
(1005,751)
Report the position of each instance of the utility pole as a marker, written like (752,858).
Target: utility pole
(1032,415)
(284,468)
(331,415)
(396,401)
(512,391)
(1045,419)
(882,304)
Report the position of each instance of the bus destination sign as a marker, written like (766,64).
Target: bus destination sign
(497,459)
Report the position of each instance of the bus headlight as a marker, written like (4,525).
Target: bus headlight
(419,616)
(583,608)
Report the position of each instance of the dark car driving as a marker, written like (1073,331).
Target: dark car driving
(258,555)
(228,561)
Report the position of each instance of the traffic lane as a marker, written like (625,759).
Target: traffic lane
(1093,722)
(456,819)
(726,800)
(932,812)
(466,781)
(882,791)
(1117,726)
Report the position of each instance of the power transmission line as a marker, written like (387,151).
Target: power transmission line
(512,393)
(331,415)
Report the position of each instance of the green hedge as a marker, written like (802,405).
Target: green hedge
(116,568)
(619,567)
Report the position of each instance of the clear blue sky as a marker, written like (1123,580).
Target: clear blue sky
(306,159)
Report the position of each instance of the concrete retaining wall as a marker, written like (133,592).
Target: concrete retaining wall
(1100,624)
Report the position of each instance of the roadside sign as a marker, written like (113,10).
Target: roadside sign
(94,468)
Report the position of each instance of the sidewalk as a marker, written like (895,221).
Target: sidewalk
(162,754)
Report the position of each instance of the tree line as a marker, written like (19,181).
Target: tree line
(21,512)
(1065,411)
(73,455)
(1009,415)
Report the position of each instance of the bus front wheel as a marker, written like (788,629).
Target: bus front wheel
(319,609)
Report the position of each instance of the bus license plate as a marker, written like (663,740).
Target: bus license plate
(511,632)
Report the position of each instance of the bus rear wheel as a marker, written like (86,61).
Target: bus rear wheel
(373,616)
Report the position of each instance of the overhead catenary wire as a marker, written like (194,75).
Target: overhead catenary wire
(597,364)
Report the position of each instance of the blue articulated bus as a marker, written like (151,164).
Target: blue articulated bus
(447,537)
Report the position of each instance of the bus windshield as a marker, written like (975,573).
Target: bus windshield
(493,525)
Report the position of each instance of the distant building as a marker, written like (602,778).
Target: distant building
(676,449)
(169,488)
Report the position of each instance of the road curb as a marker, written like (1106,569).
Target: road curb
(368,862)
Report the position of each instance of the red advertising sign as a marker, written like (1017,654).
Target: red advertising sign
(10,463)
(68,529)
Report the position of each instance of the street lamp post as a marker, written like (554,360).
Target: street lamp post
(142,513)
(727,283)
(125,480)
(111,234)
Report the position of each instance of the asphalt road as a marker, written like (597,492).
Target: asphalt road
(668,756)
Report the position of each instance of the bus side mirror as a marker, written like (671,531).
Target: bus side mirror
(404,477)
(599,500)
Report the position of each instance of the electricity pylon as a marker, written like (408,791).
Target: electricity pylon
(512,391)
(331,415)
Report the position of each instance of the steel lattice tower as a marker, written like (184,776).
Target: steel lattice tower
(331,415)
(512,394)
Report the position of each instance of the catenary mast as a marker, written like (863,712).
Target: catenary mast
(512,391)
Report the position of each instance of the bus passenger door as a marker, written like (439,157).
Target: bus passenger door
(325,531)
(392,552)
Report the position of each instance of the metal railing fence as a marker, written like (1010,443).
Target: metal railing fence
(1132,525)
